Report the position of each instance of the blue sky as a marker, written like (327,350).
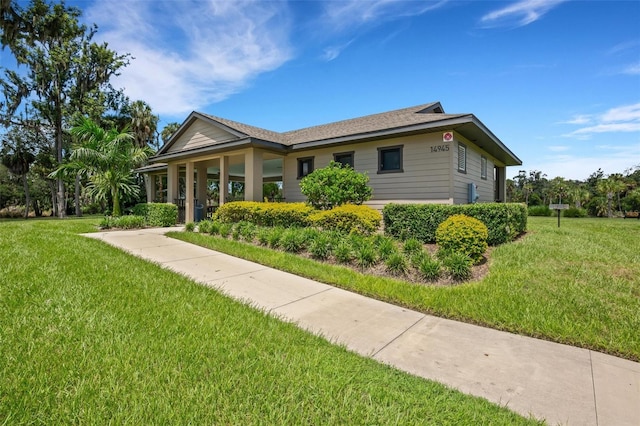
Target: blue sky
(557,81)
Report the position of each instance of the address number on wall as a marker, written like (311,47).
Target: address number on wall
(440,148)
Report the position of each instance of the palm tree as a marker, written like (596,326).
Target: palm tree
(144,125)
(108,158)
(168,131)
(610,187)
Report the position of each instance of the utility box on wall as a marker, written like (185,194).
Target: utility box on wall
(472,193)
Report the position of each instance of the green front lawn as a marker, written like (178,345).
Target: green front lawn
(92,335)
(578,284)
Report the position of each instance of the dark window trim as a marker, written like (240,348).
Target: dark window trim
(400,148)
(300,160)
(483,170)
(351,153)
(461,145)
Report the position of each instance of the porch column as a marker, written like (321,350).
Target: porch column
(501,184)
(150,186)
(201,184)
(189,204)
(172,182)
(223,184)
(253,175)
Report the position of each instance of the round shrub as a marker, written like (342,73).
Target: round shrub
(463,234)
(348,218)
(412,246)
(335,185)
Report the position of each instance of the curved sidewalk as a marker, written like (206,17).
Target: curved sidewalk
(559,383)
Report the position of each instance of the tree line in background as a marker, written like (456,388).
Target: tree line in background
(599,195)
(62,79)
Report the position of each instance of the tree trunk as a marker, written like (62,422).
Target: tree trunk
(54,201)
(62,200)
(77,197)
(36,208)
(116,202)
(25,182)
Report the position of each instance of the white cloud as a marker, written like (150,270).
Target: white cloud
(191,53)
(621,119)
(558,148)
(341,15)
(578,119)
(519,14)
(632,69)
(332,52)
(611,159)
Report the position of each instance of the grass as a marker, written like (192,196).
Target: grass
(578,284)
(92,335)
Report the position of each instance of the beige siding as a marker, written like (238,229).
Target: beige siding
(462,180)
(200,134)
(426,176)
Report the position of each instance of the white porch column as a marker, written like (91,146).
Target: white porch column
(223,184)
(189,204)
(253,175)
(150,186)
(172,182)
(201,183)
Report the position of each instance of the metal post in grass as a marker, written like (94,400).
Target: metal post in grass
(558,208)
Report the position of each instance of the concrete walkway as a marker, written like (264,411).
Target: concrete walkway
(559,383)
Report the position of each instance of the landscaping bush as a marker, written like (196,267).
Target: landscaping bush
(365,254)
(204,227)
(463,234)
(157,214)
(343,252)
(292,240)
(265,214)
(458,265)
(574,212)
(412,246)
(335,185)
(320,246)
(189,226)
(397,264)
(348,218)
(127,222)
(430,268)
(504,221)
(539,211)
(386,246)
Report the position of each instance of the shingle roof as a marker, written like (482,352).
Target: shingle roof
(390,120)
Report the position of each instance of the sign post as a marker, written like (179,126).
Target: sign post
(558,208)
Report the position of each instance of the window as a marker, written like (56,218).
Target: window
(462,158)
(305,166)
(390,159)
(483,168)
(345,158)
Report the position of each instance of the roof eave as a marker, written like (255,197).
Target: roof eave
(221,148)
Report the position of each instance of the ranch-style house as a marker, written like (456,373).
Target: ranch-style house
(413,155)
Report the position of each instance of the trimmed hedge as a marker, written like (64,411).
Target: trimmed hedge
(265,214)
(157,214)
(347,218)
(463,234)
(504,221)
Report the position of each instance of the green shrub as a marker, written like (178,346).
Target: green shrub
(214,228)
(386,246)
(365,254)
(504,221)
(157,214)
(292,240)
(274,236)
(335,185)
(343,252)
(265,214)
(235,232)
(412,246)
(225,229)
(540,211)
(574,212)
(320,246)
(418,257)
(204,226)
(348,218)
(105,222)
(397,264)
(190,226)
(430,268)
(463,234)
(263,236)
(127,222)
(247,230)
(458,265)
